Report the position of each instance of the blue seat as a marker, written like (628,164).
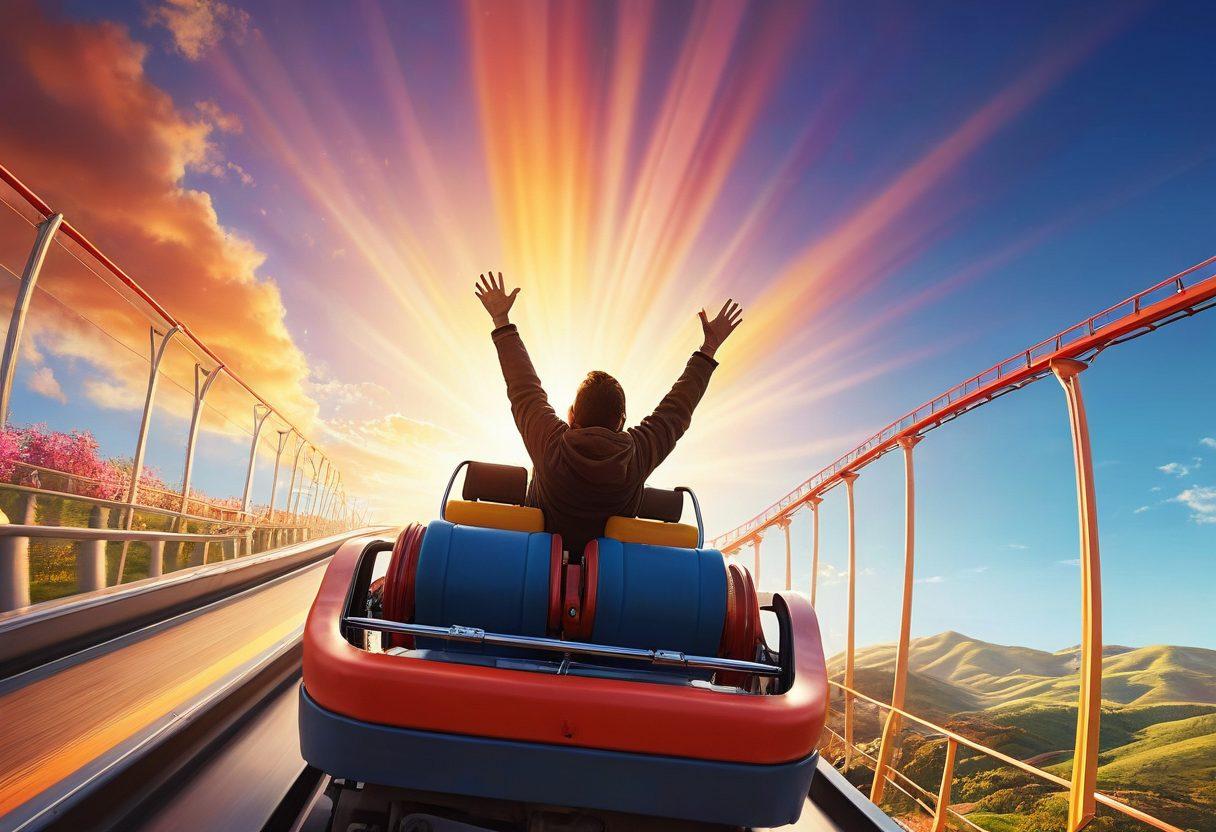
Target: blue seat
(660,597)
(489,578)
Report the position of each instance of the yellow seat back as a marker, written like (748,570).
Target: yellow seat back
(494,516)
(653,532)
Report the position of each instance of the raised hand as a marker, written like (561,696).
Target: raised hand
(717,330)
(492,296)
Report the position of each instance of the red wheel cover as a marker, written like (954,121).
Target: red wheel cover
(589,590)
(399,581)
(742,626)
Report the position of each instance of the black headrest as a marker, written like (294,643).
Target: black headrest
(496,483)
(661,504)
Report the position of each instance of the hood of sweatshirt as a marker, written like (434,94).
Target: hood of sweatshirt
(597,455)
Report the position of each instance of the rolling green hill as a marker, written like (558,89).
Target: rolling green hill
(1158,730)
(996,674)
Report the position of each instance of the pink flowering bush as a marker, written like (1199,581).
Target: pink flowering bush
(71,460)
(73,454)
(10,452)
(35,455)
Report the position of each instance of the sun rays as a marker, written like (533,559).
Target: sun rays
(607,161)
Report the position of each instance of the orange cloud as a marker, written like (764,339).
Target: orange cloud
(101,143)
(198,25)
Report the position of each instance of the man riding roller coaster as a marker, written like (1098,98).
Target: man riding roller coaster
(589,468)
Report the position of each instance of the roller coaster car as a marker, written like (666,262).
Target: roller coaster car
(489,667)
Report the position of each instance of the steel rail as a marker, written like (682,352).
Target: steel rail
(1104,799)
(1140,312)
(125,503)
(116,535)
(475,635)
(164,512)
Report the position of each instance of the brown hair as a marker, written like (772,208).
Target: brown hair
(599,403)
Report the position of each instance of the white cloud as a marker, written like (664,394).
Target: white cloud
(1141,510)
(1018,546)
(43,382)
(1071,562)
(829,575)
(340,399)
(1208,442)
(977,570)
(1155,488)
(1179,469)
(932,579)
(113,396)
(1201,500)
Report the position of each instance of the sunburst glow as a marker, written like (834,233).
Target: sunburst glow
(607,158)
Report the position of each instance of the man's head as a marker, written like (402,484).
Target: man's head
(599,403)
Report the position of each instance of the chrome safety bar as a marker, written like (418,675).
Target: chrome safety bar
(475,635)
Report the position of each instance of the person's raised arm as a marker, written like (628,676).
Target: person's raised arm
(658,433)
(534,416)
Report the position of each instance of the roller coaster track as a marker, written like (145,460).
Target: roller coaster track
(170,703)
(1064,355)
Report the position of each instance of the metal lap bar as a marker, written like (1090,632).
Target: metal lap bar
(474,635)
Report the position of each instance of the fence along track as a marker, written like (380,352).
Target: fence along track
(326,506)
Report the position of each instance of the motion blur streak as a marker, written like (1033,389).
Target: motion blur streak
(56,725)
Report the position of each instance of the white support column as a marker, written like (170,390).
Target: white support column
(91,556)
(284,435)
(326,492)
(201,388)
(21,307)
(259,421)
(156,354)
(316,485)
(295,494)
(15,561)
(156,558)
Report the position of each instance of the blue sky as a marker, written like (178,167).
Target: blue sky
(1096,188)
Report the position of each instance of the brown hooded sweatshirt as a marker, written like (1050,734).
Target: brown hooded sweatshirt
(583,476)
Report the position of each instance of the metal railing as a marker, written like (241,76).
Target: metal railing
(315,504)
(1065,356)
(1143,311)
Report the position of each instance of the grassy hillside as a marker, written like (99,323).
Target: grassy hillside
(1182,752)
(1048,726)
(1158,731)
(993,675)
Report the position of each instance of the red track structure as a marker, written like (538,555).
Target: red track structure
(1182,295)
(1064,355)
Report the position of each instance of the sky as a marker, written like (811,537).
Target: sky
(899,195)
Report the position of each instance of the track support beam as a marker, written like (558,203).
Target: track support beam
(890,731)
(1081,801)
